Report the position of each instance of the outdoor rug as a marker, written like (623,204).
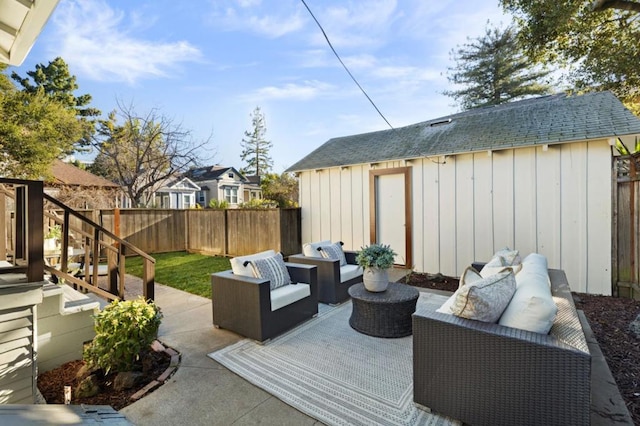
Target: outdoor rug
(334,374)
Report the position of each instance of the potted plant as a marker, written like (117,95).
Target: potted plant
(375,260)
(52,237)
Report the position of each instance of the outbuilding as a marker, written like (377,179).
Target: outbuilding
(534,175)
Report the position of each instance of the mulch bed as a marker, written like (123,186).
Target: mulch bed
(51,383)
(609,318)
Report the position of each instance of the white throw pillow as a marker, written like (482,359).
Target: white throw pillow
(241,265)
(535,264)
(272,269)
(334,252)
(532,307)
(485,299)
(511,257)
(311,249)
(501,259)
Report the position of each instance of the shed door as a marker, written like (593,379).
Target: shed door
(391,211)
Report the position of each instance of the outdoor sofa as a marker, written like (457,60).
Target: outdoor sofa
(485,373)
(248,306)
(334,279)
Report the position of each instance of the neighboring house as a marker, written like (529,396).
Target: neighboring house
(224,184)
(81,189)
(534,175)
(176,192)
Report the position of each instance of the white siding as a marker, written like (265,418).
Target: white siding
(554,201)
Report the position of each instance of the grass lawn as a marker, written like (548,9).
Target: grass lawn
(185,271)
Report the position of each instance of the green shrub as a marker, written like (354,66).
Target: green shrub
(124,329)
(218,204)
(259,203)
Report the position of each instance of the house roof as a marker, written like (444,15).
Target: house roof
(177,182)
(21,21)
(67,174)
(211,173)
(545,120)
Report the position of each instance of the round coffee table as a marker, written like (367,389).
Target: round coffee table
(384,314)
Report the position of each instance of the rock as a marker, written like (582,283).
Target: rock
(84,371)
(87,387)
(634,327)
(127,380)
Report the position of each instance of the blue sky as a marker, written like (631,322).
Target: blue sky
(208,64)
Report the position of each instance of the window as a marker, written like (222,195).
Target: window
(231,175)
(201,198)
(231,195)
(186,201)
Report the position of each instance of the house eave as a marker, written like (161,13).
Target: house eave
(21,22)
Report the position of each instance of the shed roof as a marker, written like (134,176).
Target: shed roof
(544,120)
(67,174)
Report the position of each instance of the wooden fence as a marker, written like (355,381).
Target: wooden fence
(626,224)
(231,232)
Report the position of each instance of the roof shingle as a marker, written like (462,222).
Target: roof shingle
(544,120)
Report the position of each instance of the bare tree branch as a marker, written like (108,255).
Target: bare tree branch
(616,4)
(144,150)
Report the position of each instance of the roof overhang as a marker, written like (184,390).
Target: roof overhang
(21,22)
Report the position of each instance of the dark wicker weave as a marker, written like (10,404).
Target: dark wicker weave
(243,304)
(330,289)
(488,374)
(384,314)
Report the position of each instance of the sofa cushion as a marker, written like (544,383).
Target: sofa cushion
(311,249)
(273,269)
(334,252)
(532,307)
(238,263)
(348,272)
(501,259)
(535,264)
(288,294)
(485,299)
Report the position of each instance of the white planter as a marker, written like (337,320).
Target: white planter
(375,279)
(50,244)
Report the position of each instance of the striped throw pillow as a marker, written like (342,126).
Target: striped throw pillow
(273,269)
(334,252)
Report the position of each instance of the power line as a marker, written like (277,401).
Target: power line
(345,67)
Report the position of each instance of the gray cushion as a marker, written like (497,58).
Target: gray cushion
(334,252)
(272,269)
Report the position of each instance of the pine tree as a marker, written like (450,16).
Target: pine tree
(493,70)
(255,148)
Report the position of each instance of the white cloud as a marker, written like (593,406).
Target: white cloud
(96,40)
(293,91)
(356,24)
(249,16)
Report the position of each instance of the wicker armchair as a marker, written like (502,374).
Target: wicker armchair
(333,281)
(488,374)
(243,304)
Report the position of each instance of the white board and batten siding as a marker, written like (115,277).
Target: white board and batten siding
(18,330)
(553,200)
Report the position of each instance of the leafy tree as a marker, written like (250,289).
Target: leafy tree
(598,41)
(34,131)
(255,148)
(5,83)
(140,152)
(56,81)
(493,70)
(283,189)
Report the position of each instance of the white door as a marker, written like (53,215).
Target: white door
(390,214)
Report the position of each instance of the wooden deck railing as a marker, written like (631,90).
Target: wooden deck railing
(97,244)
(22,243)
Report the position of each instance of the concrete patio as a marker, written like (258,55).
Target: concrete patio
(204,392)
